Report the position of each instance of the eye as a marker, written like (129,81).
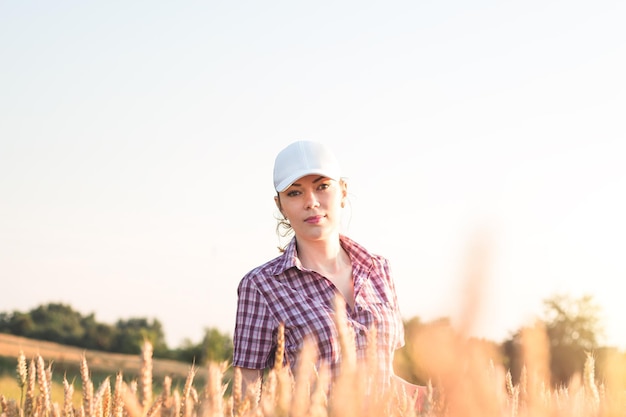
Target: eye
(324,186)
(293,193)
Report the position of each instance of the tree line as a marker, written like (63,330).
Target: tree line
(60,323)
(572,329)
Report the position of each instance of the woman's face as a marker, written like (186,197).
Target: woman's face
(313,205)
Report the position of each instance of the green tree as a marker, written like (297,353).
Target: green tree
(98,336)
(572,328)
(188,352)
(16,323)
(216,346)
(573,321)
(57,322)
(131,333)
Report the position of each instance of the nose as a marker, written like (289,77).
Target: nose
(311,200)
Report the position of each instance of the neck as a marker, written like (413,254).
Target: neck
(323,256)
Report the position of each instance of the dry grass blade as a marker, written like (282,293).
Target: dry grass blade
(22,375)
(29,402)
(186,400)
(614,401)
(536,376)
(117,406)
(176,401)
(591,388)
(284,390)
(56,410)
(154,408)
(372,364)
(132,407)
(268,394)
(283,379)
(214,390)
(44,386)
(304,378)
(8,408)
(102,398)
(68,398)
(279,355)
(346,338)
(145,375)
(87,385)
(237,392)
(319,396)
(166,392)
(346,384)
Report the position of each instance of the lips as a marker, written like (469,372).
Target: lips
(314,219)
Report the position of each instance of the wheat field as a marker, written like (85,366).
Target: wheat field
(465,379)
(466,383)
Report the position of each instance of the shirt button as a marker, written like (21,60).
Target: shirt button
(362,332)
(360,308)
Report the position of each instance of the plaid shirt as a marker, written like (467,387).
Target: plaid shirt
(282,291)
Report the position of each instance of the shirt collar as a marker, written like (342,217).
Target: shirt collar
(360,257)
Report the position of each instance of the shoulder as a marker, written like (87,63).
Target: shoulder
(361,254)
(261,273)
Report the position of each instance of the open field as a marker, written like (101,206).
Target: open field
(69,357)
(467,383)
(65,363)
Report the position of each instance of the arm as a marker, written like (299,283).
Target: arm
(250,380)
(418,392)
(252,338)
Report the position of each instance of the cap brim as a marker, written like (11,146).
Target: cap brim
(287,182)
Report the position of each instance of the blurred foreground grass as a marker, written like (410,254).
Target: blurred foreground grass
(465,382)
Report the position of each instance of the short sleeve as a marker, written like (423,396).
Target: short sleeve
(254,328)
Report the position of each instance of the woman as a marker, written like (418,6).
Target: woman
(299,287)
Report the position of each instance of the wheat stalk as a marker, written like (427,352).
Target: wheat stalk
(87,386)
(22,375)
(344,383)
(154,408)
(9,408)
(29,402)
(305,374)
(186,401)
(590,380)
(214,390)
(145,375)
(473,385)
(166,392)
(68,393)
(132,406)
(279,355)
(176,403)
(117,406)
(102,399)
(44,386)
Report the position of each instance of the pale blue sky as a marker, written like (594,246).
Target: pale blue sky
(137,141)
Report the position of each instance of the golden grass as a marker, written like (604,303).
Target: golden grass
(466,382)
(62,355)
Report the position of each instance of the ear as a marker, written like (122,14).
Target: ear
(277,202)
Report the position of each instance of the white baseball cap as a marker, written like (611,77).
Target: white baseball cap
(303,158)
